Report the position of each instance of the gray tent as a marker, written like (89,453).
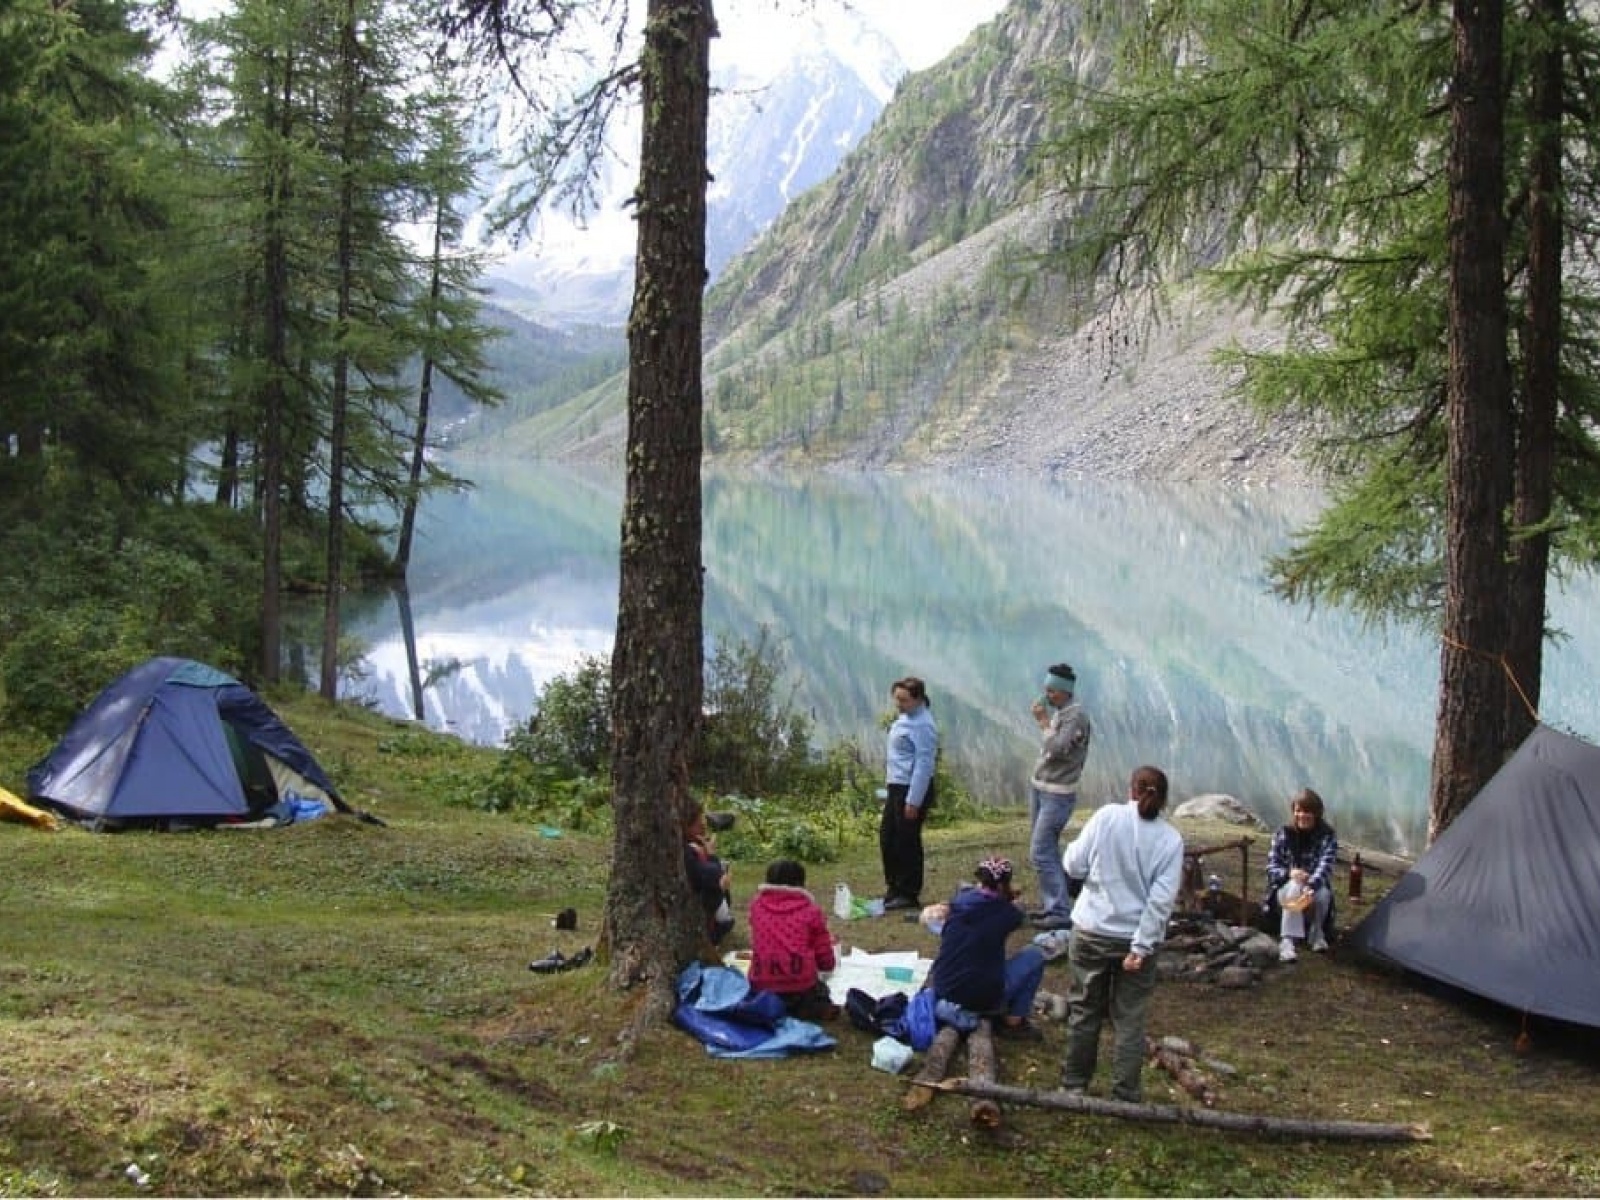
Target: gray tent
(1506,904)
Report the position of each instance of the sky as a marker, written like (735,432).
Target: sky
(924,31)
(756,36)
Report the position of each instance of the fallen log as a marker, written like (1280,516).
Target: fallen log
(1169,1114)
(934,1066)
(985,1113)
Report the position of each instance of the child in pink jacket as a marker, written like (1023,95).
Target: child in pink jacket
(790,943)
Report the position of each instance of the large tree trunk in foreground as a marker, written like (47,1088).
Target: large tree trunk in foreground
(1470,735)
(652,923)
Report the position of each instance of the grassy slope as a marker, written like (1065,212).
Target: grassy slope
(340,1008)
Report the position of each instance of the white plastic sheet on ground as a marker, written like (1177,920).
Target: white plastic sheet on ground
(875,974)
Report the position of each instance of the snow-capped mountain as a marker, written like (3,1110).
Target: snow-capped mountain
(785,111)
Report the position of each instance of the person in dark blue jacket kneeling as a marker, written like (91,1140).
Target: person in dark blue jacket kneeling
(972,969)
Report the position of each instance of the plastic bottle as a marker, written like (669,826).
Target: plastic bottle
(1356,873)
(843,901)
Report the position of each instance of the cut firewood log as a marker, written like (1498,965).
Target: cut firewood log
(1183,1072)
(1171,1114)
(984,1111)
(934,1066)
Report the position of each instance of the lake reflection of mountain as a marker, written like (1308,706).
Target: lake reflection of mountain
(1155,594)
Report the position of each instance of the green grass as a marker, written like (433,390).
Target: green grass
(346,1009)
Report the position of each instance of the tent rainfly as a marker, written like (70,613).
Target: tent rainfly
(175,742)
(1506,903)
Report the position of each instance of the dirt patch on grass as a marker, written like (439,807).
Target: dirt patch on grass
(507,1081)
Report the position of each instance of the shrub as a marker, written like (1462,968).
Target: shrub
(753,740)
(754,758)
(534,791)
(113,598)
(571,729)
(64,657)
(803,841)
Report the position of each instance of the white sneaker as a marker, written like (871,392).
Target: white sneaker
(1286,950)
(1317,942)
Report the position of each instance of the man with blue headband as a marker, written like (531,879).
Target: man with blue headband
(1053,791)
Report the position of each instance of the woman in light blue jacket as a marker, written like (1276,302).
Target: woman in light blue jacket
(912,750)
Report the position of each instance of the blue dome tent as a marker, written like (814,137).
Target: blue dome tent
(177,743)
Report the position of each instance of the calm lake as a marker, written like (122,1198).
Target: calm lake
(1156,594)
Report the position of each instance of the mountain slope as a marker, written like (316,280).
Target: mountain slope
(900,312)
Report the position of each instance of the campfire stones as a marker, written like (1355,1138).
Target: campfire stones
(1203,949)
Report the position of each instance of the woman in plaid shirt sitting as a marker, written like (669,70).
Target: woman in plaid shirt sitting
(1300,876)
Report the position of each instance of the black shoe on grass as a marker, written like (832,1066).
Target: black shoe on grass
(549,964)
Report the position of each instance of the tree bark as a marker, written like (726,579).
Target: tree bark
(1210,1118)
(419,436)
(1541,373)
(338,417)
(408,634)
(653,923)
(1470,736)
(275,283)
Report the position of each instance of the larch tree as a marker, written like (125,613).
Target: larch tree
(1541,338)
(349,85)
(1317,161)
(318,157)
(652,925)
(657,662)
(448,308)
(1469,740)
(374,163)
(266,55)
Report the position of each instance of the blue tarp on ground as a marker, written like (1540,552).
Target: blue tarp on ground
(720,1009)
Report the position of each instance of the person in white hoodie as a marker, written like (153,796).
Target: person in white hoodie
(1131,863)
